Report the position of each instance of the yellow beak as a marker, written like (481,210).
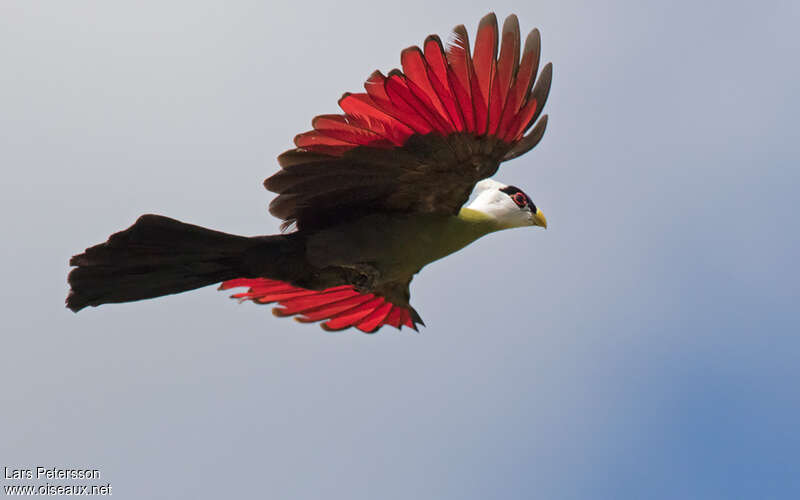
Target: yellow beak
(539,219)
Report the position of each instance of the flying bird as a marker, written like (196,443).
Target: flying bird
(367,198)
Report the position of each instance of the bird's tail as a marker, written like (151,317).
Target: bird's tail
(159,256)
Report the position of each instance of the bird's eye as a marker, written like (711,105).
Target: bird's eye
(519,199)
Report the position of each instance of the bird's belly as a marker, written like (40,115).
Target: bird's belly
(396,247)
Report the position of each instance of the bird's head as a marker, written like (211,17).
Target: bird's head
(508,205)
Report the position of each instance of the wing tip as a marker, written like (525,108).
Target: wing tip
(488,20)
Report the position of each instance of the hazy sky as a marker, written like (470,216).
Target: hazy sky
(645,346)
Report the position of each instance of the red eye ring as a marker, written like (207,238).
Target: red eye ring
(519,199)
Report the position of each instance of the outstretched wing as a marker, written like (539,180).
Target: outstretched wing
(419,139)
(341,307)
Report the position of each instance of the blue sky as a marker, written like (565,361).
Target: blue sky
(644,346)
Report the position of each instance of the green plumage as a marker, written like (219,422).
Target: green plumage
(397,245)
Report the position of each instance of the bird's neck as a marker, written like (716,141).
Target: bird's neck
(437,236)
(477,222)
(453,233)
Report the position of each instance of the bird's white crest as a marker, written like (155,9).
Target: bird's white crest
(488,184)
(495,203)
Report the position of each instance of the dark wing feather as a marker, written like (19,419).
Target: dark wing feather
(419,139)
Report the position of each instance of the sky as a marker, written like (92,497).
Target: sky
(644,346)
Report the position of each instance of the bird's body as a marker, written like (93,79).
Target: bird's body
(396,246)
(375,194)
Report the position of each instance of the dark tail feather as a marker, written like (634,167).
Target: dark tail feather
(156,256)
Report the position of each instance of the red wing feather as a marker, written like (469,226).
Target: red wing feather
(378,90)
(486,54)
(377,317)
(417,74)
(314,138)
(440,92)
(349,130)
(523,82)
(438,76)
(460,72)
(362,107)
(342,306)
(409,109)
(485,65)
(507,65)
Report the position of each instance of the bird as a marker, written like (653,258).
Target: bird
(368,197)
